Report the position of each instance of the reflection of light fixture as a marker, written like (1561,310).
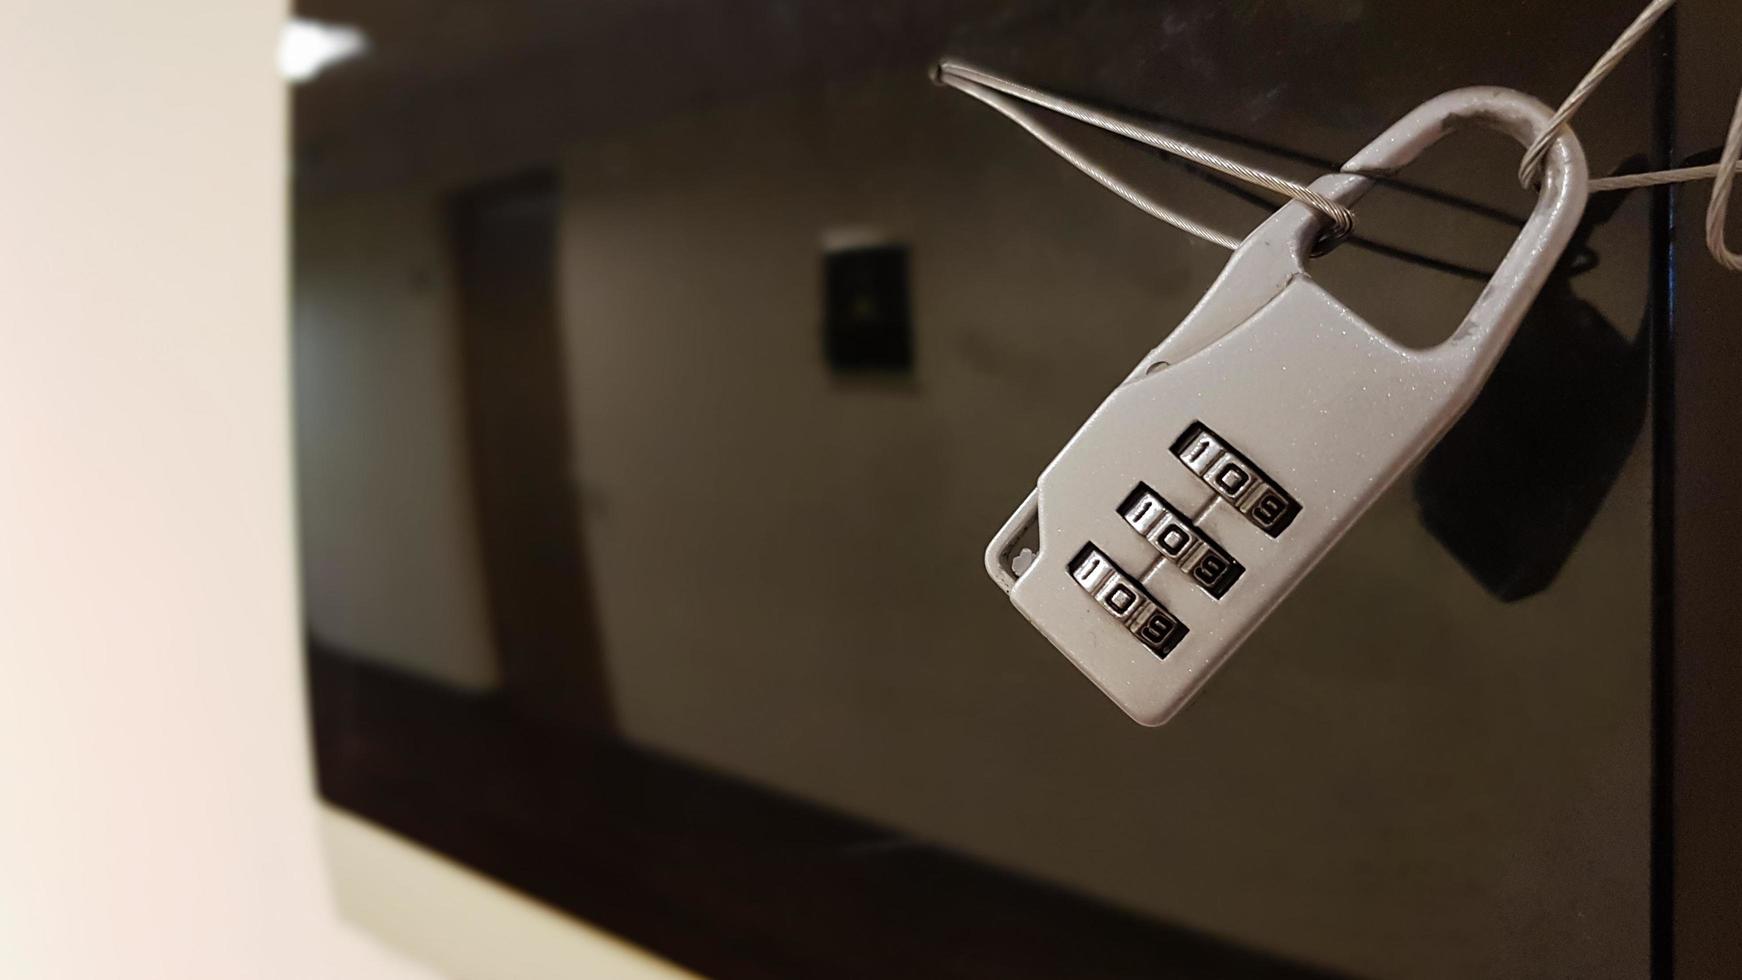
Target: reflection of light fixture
(308,47)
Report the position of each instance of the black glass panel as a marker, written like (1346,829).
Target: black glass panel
(663,369)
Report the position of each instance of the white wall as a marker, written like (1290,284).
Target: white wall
(391,563)
(156,817)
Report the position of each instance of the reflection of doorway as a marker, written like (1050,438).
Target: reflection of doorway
(504,236)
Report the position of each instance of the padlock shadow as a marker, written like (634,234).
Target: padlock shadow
(1512,487)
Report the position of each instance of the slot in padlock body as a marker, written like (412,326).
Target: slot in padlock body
(1268,422)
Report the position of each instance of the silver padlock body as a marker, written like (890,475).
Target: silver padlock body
(1322,408)
(1209,483)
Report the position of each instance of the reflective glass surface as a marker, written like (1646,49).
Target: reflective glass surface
(664,368)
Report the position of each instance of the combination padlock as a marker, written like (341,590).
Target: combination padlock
(1213,479)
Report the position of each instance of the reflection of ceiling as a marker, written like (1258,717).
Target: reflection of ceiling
(456,89)
(487,84)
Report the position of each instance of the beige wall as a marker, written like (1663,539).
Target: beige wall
(1398,776)
(391,564)
(156,815)
(466,925)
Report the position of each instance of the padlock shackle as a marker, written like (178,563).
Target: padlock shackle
(1279,250)
(1485,330)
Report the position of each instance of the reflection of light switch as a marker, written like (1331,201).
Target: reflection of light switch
(867,327)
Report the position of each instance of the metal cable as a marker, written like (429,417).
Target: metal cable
(1655,178)
(1719,207)
(998,92)
(1722,174)
(1342,220)
(1531,166)
(1022,117)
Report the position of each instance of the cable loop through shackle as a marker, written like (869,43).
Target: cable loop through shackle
(1722,174)
(999,93)
(980,84)
(1530,168)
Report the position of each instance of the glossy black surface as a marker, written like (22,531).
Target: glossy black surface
(646,579)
